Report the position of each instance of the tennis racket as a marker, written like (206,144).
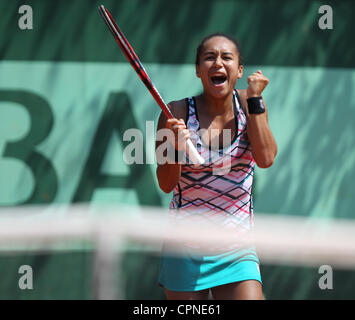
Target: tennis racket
(138,67)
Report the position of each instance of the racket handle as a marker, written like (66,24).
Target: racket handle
(194,156)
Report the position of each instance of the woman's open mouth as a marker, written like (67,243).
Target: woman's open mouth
(218,80)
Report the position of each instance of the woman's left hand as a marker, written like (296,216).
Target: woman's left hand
(256,84)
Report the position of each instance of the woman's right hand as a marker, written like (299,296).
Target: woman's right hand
(181,133)
(169,174)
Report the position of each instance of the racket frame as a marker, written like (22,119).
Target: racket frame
(143,75)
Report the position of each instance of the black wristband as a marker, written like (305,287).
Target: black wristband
(255,105)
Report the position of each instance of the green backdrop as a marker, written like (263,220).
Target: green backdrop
(67,95)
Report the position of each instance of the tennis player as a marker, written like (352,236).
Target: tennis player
(232,273)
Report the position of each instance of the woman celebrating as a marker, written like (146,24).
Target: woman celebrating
(232,274)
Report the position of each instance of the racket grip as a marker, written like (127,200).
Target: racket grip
(194,156)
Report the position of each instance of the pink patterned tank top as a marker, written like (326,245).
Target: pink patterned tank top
(223,184)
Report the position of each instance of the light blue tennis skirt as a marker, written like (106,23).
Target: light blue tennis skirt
(192,272)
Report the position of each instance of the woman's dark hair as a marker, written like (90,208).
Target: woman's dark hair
(217,34)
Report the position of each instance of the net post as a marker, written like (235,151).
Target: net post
(107,276)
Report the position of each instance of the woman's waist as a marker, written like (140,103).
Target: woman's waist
(221,166)
(222,205)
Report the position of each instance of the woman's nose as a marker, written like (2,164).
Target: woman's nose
(218,61)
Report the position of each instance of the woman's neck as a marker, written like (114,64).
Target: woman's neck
(217,106)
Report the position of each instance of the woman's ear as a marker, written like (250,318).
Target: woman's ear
(198,75)
(240,71)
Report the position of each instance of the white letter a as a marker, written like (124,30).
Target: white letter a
(25,21)
(326,20)
(25,281)
(326,281)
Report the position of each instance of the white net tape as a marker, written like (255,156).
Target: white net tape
(278,239)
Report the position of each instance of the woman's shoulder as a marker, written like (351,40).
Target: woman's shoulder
(178,108)
(242,94)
